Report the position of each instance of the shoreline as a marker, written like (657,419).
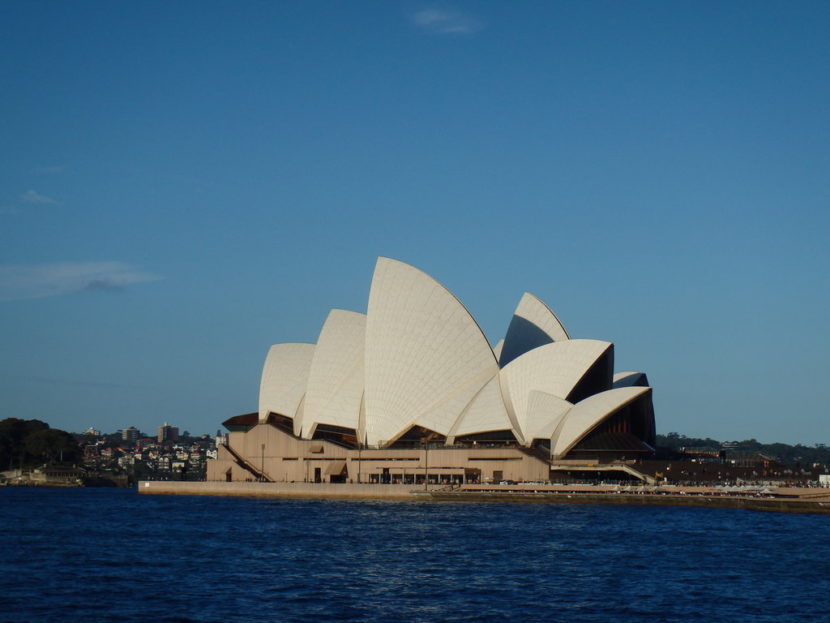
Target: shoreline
(792,500)
(767,504)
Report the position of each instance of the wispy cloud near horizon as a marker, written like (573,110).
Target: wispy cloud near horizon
(20,282)
(29,198)
(36,198)
(446,21)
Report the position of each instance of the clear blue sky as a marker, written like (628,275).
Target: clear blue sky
(183,184)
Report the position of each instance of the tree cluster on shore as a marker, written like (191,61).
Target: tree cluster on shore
(783,453)
(24,443)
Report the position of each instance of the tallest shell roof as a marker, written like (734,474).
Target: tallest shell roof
(426,358)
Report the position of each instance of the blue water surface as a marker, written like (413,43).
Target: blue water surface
(114,555)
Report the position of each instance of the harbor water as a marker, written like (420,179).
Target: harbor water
(113,555)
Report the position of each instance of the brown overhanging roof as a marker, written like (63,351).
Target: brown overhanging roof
(247,420)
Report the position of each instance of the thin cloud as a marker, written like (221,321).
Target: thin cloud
(34,197)
(103,285)
(446,22)
(43,280)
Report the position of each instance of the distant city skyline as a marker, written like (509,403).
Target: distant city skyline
(183,186)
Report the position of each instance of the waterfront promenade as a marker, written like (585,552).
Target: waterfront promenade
(778,499)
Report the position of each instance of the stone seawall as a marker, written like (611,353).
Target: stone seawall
(275,489)
(770,504)
(505,494)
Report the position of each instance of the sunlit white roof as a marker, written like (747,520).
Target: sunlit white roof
(587,414)
(335,382)
(425,355)
(418,358)
(284,380)
(533,324)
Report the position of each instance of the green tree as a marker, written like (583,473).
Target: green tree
(13,432)
(52,444)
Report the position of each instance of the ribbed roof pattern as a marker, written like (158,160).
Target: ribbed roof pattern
(418,358)
(533,325)
(485,413)
(544,413)
(422,349)
(335,381)
(554,368)
(587,414)
(284,380)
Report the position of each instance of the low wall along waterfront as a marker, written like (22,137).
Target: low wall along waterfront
(276,489)
(779,500)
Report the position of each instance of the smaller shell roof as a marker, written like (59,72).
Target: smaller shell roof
(587,414)
(544,413)
(533,324)
(335,381)
(554,368)
(284,379)
(484,413)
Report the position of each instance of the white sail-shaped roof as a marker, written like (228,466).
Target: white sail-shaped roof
(284,378)
(533,324)
(497,348)
(554,368)
(423,349)
(335,381)
(587,414)
(441,416)
(485,413)
(544,413)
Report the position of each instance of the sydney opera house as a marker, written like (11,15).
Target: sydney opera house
(413,392)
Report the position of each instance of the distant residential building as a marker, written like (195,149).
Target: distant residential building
(91,454)
(57,475)
(167,433)
(129,434)
(824,480)
(92,431)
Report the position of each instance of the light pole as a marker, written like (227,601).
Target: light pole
(359,458)
(426,465)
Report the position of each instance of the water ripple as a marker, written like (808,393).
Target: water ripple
(112,555)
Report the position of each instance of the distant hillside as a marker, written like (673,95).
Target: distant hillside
(781,452)
(31,442)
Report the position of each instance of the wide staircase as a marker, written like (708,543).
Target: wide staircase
(604,467)
(248,466)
